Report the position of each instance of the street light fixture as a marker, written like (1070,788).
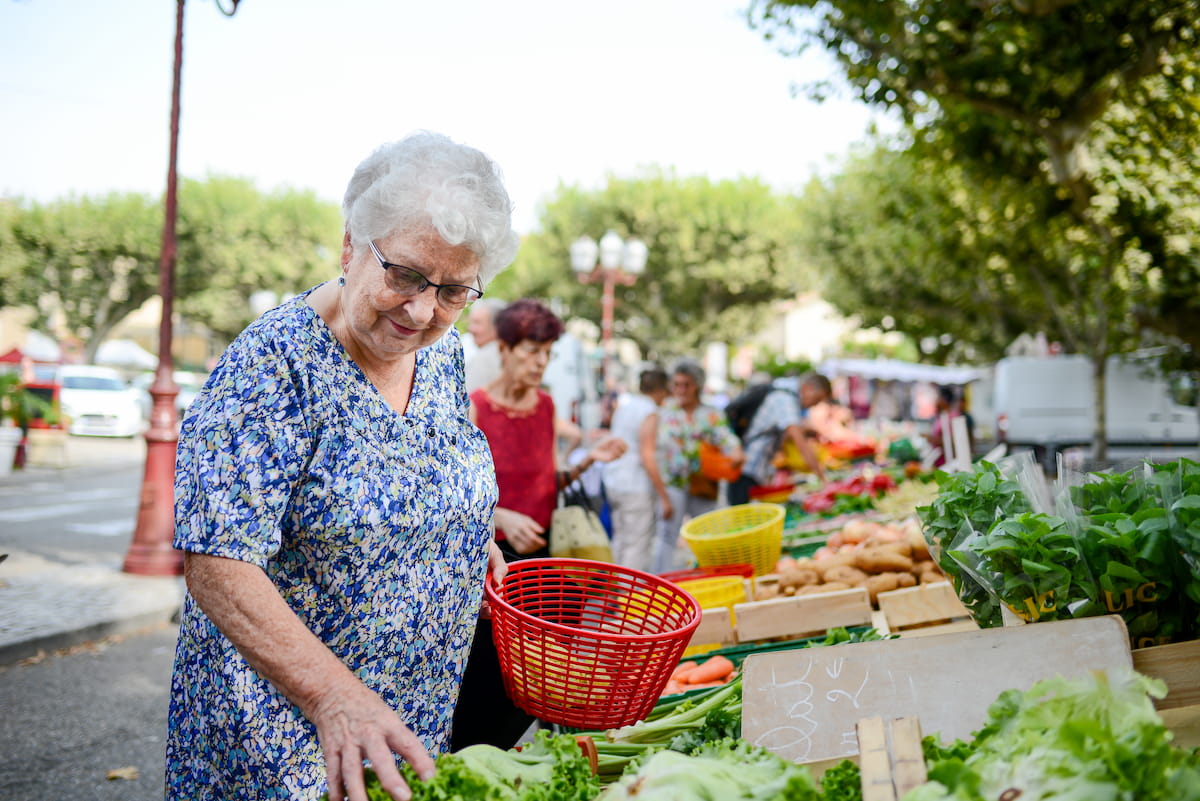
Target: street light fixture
(614,261)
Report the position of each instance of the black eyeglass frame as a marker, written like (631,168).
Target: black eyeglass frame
(473,293)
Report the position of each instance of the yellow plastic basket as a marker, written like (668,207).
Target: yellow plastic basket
(716,592)
(713,593)
(750,533)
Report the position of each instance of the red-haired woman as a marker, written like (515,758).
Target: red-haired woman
(517,417)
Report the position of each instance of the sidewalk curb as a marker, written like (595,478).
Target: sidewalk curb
(13,653)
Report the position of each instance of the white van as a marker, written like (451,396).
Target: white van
(1047,404)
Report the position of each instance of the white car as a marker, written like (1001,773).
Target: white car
(98,402)
(189,385)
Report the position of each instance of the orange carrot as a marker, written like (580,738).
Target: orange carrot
(673,687)
(713,669)
(704,684)
(683,669)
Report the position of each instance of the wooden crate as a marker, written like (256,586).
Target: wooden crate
(923,610)
(1177,664)
(784,618)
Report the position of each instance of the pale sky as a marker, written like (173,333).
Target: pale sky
(296,93)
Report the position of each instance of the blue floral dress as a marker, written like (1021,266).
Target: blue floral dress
(374,527)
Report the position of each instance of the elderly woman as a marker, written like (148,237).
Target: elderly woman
(682,425)
(334,502)
(518,418)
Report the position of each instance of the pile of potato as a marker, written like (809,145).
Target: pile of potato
(879,557)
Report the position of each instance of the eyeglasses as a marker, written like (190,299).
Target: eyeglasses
(407,282)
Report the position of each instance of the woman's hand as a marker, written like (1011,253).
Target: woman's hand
(524,533)
(354,724)
(498,569)
(668,511)
(607,449)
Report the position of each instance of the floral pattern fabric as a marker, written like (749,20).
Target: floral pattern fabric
(373,526)
(679,439)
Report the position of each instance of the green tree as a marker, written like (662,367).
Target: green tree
(92,260)
(87,263)
(718,253)
(1040,92)
(235,240)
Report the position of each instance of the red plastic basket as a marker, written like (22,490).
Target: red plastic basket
(588,644)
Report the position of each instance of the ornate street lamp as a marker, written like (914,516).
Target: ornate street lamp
(151,553)
(619,262)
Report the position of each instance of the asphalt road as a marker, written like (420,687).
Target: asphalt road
(69,719)
(81,515)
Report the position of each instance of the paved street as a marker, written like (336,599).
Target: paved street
(69,719)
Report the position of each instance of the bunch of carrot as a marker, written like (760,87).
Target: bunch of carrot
(690,675)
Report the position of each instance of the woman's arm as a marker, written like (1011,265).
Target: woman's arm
(798,434)
(353,723)
(648,450)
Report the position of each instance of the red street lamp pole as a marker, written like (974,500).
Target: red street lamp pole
(620,262)
(151,553)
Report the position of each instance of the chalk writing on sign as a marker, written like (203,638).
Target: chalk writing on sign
(810,697)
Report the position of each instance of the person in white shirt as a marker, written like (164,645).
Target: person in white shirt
(483,363)
(632,482)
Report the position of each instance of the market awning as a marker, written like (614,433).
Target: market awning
(896,370)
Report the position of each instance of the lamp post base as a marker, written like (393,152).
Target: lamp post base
(151,552)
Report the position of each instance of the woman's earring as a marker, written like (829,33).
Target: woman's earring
(341,280)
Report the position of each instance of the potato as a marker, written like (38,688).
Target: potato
(799,577)
(856,531)
(897,546)
(920,548)
(906,580)
(766,592)
(881,560)
(846,574)
(923,565)
(931,577)
(839,559)
(884,582)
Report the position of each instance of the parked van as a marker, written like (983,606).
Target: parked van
(1047,404)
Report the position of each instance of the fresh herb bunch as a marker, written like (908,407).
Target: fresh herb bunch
(969,501)
(1032,563)
(1133,545)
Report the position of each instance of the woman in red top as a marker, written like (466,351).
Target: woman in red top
(518,419)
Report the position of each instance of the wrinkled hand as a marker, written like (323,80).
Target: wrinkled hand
(607,449)
(498,569)
(354,724)
(523,532)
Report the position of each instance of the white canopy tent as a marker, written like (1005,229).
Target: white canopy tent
(896,370)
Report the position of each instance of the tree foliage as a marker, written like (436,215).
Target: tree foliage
(718,253)
(86,263)
(1063,112)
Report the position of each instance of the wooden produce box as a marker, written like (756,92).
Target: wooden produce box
(922,611)
(1177,664)
(784,618)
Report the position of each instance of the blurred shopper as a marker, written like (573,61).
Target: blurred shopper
(517,417)
(782,417)
(632,483)
(683,423)
(330,604)
(483,363)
